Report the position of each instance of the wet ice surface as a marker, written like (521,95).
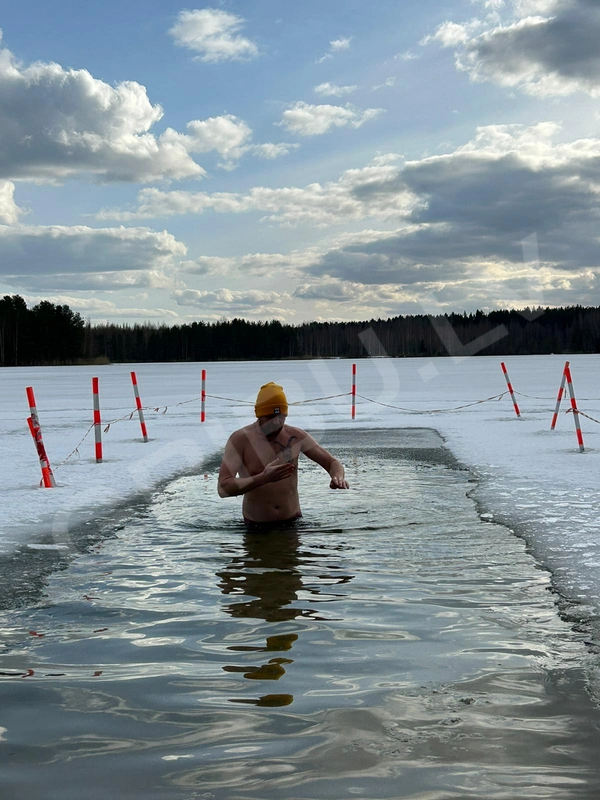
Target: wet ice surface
(393,646)
(563,535)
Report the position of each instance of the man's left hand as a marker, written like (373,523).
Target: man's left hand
(339,483)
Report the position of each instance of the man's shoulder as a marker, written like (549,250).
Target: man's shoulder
(242,433)
(299,433)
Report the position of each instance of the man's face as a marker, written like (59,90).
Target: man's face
(271,424)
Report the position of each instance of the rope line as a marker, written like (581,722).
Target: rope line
(231,399)
(434,410)
(317,399)
(532,396)
(582,414)
(157,409)
(129,416)
(74,450)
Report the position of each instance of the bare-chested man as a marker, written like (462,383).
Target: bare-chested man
(261,462)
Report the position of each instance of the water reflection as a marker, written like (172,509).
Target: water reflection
(266,580)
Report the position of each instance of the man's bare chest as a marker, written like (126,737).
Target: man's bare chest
(260,451)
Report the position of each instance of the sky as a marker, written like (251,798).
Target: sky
(345,160)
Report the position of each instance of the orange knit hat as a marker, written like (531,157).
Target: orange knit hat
(270,400)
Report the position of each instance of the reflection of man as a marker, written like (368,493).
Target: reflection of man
(261,463)
(265,581)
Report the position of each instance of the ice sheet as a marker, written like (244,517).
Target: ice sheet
(532,478)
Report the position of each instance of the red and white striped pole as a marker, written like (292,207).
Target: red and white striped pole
(203,398)
(561,391)
(37,440)
(574,408)
(138,404)
(353,391)
(97,420)
(510,389)
(36,431)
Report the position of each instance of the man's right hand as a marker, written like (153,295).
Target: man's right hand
(276,471)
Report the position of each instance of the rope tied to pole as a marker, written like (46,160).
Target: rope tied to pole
(582,414)
(435,410)
(157,409)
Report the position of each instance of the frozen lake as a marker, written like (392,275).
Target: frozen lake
(533,479)
(394,645)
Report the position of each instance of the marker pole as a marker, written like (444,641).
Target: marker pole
(574,408)
(138,404)
(203,398)
(510,389)
(97,420)
(36,431)
(46,478)
(353,391)
(561,391)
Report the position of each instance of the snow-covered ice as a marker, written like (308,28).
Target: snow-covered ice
(533,479)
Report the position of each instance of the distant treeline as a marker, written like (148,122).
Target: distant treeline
(54,334)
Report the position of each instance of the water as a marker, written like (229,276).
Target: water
(393,646)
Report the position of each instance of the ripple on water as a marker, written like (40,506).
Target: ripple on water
(393,645)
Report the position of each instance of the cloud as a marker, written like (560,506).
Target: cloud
(336,46)
(213,34)
(95,309)
(388,82)
(68,258)
(472,286)
(231,303)
(548,48)
(227,135)
(310,120)
(256,264)
(336,290)
(56,123)
(92,281)
(353,197)
(343,43)
(407,55)
(331,89)
(9,210)
(481,201)
(463,223)
(466,238)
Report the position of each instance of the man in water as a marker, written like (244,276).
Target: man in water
(261,462)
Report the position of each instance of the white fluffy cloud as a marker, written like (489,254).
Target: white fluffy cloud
(213,34)
(388,83)
(9,210)
(333,90)
(336,46)
(256,264)
(348,199)
(227,135)
(310,120)
(68,258)
(475,203)
(230,303)
(55,123)
(508,219)
(544,47)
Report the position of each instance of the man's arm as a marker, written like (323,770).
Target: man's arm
(230,485)
(323,458)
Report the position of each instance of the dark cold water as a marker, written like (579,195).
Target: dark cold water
(393,646)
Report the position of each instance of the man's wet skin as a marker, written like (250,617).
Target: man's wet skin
(261,462)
